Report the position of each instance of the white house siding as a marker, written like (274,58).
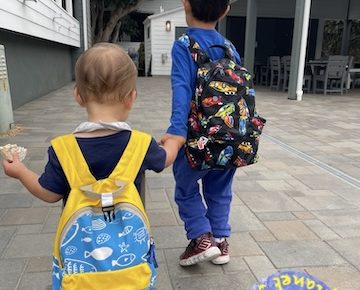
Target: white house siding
(43,19)
(147,43)
(153,6)
(162,41)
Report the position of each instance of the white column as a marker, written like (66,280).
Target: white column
(298,52)
(69,7)
(250,34)
(85,5)
(319,38)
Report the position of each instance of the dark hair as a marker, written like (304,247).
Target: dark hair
(208,10)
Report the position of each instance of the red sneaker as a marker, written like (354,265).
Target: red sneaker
(200,250)
(224,257)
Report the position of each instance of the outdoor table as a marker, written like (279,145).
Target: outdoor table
(317,65)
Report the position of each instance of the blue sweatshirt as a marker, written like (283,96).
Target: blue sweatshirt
(183,74)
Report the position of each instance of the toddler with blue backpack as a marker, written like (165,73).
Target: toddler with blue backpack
(213,103)
(103,239)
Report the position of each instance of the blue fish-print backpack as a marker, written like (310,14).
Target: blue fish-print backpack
(103,240)
(223,125)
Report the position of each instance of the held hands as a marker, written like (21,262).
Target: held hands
(171,144)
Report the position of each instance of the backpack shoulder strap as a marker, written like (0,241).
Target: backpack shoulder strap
(70,157)
(197,54)
(130,162)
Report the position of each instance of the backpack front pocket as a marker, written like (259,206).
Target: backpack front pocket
(134,278)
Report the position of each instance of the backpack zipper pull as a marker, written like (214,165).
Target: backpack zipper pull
(109,213)
(107,206)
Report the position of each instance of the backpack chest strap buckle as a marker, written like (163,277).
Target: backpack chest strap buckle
(107,206)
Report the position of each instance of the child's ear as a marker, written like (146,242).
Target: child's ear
(78,99)
(225,13)
(130,99)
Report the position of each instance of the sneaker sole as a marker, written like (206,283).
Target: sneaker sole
(221,260)
(208,255)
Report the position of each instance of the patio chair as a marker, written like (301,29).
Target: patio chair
(275,72)
(286,64)
(334,78)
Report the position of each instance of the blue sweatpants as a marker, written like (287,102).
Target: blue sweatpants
(216,186)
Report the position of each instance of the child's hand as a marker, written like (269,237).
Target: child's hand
(14,168)
(179,139)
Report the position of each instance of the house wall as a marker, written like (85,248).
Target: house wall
(147,43)
(43,19)
(35,67)
(40,38)
(162,41)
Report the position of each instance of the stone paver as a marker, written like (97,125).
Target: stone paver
(287,213)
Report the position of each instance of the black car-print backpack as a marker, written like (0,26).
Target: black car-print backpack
(223,125)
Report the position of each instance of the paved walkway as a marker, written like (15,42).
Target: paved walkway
(298,208)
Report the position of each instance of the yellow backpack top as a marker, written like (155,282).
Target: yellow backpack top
(103,240)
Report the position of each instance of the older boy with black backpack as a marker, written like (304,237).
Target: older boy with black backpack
(213,108)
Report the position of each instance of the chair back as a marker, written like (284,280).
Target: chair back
(337,68)
(275,64)
(339,57)
(286,62)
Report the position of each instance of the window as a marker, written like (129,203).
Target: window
(63,4)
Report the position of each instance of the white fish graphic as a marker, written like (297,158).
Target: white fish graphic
(98,224)
(70,250)
(127,216)
(124,260)
(87,230)
(86,239)
(77,266)
(99,254)
(140,235)
(126,231)
(74,229)
(102,238)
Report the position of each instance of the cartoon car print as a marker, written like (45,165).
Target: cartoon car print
(225,110)
(214,129)
(223,87)
(225,155)
(211,101)
(246,147)
(234,76)
(238,162)
(193,123)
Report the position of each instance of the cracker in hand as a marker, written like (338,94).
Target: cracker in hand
(8,150)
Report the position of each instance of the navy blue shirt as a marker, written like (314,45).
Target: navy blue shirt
(183,73)
(102,155)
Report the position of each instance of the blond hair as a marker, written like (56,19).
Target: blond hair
(105,74)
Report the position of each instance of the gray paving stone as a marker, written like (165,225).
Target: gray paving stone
(242,219)
(242,244)
(15,200)
(6,233)
(162,217)
(30,246)
(10,272)
(285,254)
(324,202)
(260,266)
(19,216)
(290,230)
(340,277)
(170,237)
(271,201)
(230,282)
(349,249)
(321,230)
(39,281)
(39,264)
(275,216)
(162,281)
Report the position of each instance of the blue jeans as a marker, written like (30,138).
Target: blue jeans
(216,187)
